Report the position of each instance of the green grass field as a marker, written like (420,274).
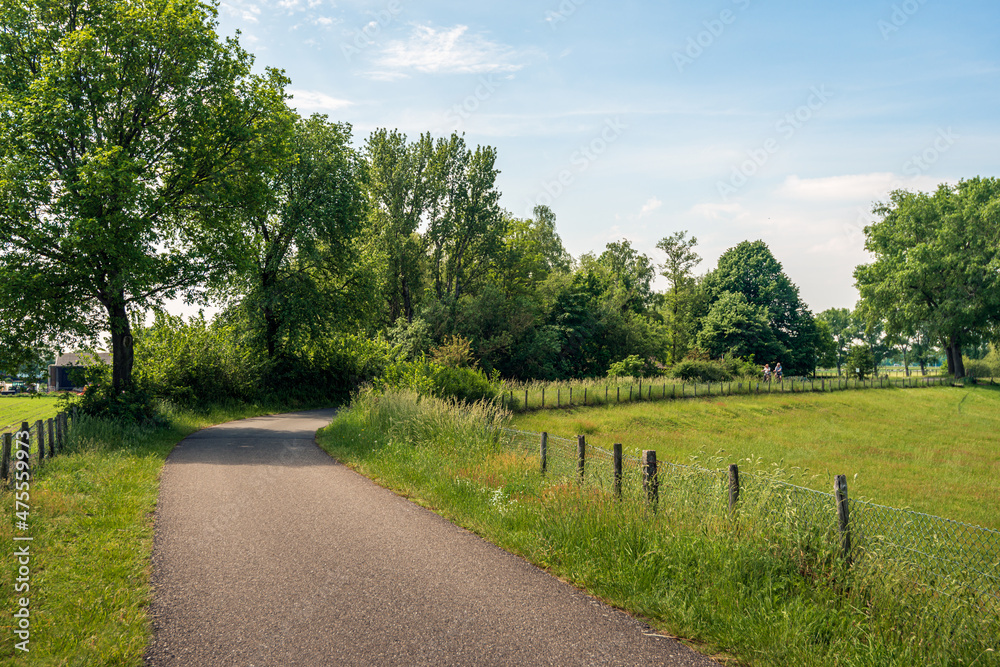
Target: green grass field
(934,450)
(17,409)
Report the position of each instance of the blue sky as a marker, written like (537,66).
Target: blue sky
(731,119)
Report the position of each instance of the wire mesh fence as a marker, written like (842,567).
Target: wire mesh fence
(928,555)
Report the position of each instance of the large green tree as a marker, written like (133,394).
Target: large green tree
(115,116)
(936,264)
(401,193)
(292,232)
(751,270)
(532,250)
(736,327)
(466,226)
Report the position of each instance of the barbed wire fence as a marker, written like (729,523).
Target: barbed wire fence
(918,554)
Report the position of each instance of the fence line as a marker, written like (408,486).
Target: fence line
(31,444)
(520,399)
(950,557)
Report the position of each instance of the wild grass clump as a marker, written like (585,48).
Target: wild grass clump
(766,583)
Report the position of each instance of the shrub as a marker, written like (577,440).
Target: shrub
(632,366)
(860,361)
(979,368)
(702,371)
(431,379)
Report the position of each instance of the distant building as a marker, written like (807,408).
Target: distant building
(59,376)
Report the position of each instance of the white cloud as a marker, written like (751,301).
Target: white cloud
(448,51)
(651,205)
(245,11)
(386,76)
(311,100)
(852,187)
(714,211)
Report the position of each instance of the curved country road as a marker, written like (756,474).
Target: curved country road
(269,552)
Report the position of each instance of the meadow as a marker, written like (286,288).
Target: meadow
(17,409)
(931,449)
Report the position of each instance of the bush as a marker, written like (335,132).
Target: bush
(431,379)
(632,366)
(702,371)
(133,407)
(860,361)
(979,368)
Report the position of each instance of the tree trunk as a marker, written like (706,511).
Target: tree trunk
(122,352)
(270,331)
(950,353)
(959,364)
(268,282)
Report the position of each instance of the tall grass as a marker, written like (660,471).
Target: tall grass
(765,585)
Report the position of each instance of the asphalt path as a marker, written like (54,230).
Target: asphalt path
(269,552)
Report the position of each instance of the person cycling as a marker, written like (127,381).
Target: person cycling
(767,372)
(778,372)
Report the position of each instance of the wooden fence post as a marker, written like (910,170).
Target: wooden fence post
(5,461)
(558,397)
(544,451)
(734,486)
(52,439)
(543,397)
(630,393)
(843,517)
(41,440)
(581,456)
(650,482)
(525,400)
(617,450)
(571,397)
(618,397)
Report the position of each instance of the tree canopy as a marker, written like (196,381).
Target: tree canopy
(751,270)
(936,264)
(115,116)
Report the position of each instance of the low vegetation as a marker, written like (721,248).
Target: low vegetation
(761,588)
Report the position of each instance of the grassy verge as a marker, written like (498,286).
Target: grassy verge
(91,520)
(932,449)
(761,587)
